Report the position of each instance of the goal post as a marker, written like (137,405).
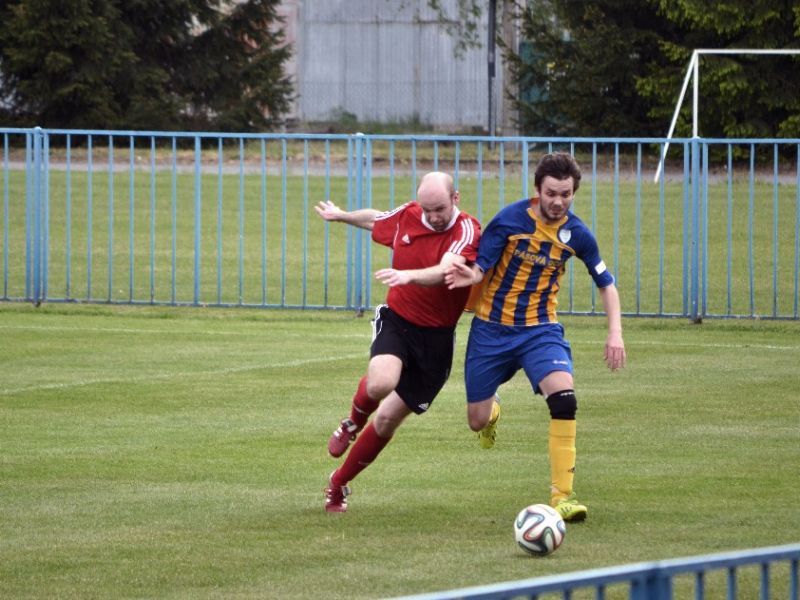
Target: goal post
(693,73)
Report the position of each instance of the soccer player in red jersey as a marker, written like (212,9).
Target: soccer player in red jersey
(413,332)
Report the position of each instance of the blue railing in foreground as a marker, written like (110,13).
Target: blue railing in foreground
(220,219)
(651,581)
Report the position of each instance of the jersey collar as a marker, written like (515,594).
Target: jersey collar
(536,219)
(452,222)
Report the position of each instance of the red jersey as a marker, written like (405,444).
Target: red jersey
(416,245)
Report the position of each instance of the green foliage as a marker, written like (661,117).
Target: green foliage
(63,62)
(583,62)
(742,96)
(236,80)
(143,64)
(615,67)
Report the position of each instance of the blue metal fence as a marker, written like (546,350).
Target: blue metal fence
(658,580)
(216,219)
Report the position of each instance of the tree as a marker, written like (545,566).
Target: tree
(58,60)
(615,67)
(576,69)
(579,64)
(142,64)
(236,77)
(742,96)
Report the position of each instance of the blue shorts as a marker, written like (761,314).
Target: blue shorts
(496,352)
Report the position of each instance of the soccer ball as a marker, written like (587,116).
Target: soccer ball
(539,529)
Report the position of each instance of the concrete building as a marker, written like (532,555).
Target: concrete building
(390,61)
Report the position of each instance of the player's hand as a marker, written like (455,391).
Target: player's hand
(458,275)
(614,352)
(392,277)
(329,211)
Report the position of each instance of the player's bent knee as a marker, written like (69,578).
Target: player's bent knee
(380,388)
(385,426)
(563,405)
(476,423)
(477,416)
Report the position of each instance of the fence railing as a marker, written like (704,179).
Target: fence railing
(216,219)
(776,576)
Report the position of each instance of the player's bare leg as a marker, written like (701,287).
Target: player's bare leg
(482,417)
(382,377)
(376,435)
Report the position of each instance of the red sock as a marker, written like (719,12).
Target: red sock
(364,450)
(363,405)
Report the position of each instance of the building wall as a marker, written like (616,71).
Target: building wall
(386,61)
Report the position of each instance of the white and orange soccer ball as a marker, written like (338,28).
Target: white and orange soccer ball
(539,529)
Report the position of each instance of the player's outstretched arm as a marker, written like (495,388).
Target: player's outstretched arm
(614,351)
(429,276)
(462,275)
(363,218)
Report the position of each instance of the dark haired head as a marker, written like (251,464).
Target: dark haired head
(559,165)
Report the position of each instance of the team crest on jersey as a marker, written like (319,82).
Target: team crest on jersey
(565,235)
(405,239)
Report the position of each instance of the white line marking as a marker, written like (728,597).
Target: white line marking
(168,376)
(366,335)
(171,331)
(629,343)
(697,345)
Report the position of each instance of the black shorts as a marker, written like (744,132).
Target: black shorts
(426,352)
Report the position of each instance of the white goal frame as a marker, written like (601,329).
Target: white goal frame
(693,72)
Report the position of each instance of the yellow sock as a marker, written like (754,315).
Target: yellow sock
(561,445)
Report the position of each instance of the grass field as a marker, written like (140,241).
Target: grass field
(180,453)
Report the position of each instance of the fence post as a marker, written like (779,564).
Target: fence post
(37,243)
(694,238)
(359,235)
(703,239)
(653,584)
(525,160)
(198,216)
(348,297)
(29,185)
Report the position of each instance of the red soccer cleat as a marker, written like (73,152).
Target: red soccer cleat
(336,496)
(341,438)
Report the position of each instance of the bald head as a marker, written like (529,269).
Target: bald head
(436,182)
(438,197)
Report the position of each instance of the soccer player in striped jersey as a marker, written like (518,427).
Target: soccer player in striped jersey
(521,259)
(414,331)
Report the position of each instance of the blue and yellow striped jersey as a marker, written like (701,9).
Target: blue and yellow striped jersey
(523,260)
